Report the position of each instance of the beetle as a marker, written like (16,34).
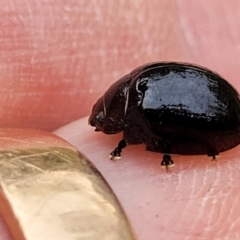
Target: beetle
(172,108)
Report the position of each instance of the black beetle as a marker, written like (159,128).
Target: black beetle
(173,108)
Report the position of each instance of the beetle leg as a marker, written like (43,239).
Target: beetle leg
(167,162)
(208,142)
(116,153)
(214,156)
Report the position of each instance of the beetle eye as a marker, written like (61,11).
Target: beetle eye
(100,117)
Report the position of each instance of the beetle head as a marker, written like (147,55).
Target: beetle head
(108,112)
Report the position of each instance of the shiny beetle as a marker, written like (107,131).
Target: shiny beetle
(173,108)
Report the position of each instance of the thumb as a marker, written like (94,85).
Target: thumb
(196,199)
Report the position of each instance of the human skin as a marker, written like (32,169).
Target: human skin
(57,58)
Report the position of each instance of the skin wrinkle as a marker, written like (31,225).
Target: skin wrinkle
(233,224)
(216,223)
(232,211)
(193,226)
(208,201)
(215,32)
(185,37)
(190,202)
(220,208)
